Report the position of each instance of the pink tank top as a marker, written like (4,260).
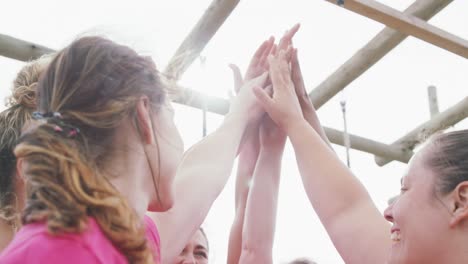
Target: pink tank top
(33,244)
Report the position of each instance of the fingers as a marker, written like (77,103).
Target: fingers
(264,58)
(296,75)
(279,71)
(237,77)
(289,53)
(260,80)
(286,40)
(261,49)
(263,98)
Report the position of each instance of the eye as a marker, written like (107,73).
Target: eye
(201,254)
(403,190)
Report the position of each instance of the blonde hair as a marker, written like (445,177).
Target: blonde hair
(94,84)
(20,107)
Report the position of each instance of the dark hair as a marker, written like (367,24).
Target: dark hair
(302,261)
(448,158)
(94,84)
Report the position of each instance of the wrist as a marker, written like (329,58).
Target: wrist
(294,125)
(272,149)
(295,128)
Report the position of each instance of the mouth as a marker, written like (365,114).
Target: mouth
(395,235)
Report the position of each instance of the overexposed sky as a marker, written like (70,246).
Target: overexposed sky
(383,104)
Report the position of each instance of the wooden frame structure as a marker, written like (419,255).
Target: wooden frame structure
(399,26)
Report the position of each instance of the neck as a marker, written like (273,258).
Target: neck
(128,171)
(456,252)
(6,234)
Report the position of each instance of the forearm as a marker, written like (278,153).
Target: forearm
(260,216)
(200,178)
(245,169)
(342,203)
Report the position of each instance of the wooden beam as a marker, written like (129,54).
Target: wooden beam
(408,24)
(21,50)
(200,35)
(193,98)
(368,145)
(433,101)
(439,122)
(385,41)
(220,106)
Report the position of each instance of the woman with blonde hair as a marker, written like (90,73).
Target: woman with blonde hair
(20,107)
(105,150)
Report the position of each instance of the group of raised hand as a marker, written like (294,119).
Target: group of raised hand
(92,164)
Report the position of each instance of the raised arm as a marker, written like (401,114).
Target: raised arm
(353,222)
(308,109)
(250,148)
(260,217)
(245,169)
(204,171)
(248,152)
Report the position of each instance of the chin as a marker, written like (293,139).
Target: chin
(395,258)
(161,206)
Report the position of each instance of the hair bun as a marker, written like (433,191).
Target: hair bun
(24,96)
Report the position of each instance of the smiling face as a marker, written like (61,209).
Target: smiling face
(195,251)
(420,219)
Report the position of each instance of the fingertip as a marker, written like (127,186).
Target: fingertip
(297,26)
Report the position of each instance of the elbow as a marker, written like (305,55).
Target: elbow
(255,254)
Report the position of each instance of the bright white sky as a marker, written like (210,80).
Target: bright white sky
(385,103)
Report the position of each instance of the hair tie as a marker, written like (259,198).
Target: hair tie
(60,127)
(39,115)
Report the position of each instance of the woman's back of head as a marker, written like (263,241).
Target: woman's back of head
(89,88)
(20,107)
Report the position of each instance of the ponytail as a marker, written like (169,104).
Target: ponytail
(64,190)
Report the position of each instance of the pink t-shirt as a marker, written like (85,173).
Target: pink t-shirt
(33,244)
(152,235)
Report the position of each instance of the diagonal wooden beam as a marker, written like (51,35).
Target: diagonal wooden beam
(200,35)
(21,50)
(408,24)
(368,145)
(385,41)
(439,122)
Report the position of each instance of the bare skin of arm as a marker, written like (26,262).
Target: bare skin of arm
(250,148)
(260,216)
(203,173)
(356,227)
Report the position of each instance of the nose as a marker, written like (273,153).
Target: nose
(189,260)
(388,213)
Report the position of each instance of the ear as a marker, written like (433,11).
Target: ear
(460,204)
(144,123)
(19,174)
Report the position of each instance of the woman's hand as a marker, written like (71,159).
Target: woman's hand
(283,106)
(308,109)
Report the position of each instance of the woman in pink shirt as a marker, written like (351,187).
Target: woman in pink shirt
(104,151)
(20,105)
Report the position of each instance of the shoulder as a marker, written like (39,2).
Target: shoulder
(34,244)
(44,248)
(152,234)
